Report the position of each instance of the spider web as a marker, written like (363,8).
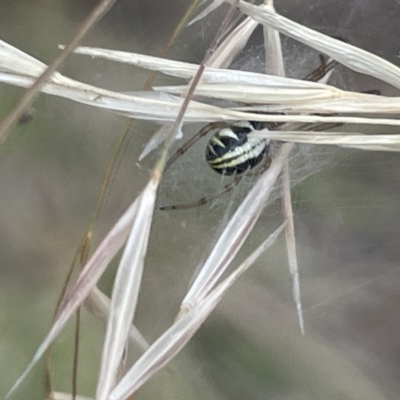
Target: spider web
(190,179)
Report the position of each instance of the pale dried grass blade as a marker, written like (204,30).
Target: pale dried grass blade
(157,139)
(68,396)
(126,290)
(187,71)
(86,281)
(143,106)
(352,57)
(259,94)
(166,66)
(209,9)
(233,44)
(235,233)
(98,304)
(162,107)
(366,103)
(246,264)
(15,61)
(291,243)
(273,44)
(176,337)
(274,50)
(392,148)
(347,139)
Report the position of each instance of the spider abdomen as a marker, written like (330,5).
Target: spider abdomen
(230,151)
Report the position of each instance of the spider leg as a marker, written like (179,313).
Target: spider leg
(265,164)
(322,70)
(227,188)
(202,132)
(205,200)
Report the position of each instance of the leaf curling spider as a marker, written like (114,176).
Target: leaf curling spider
(229,152)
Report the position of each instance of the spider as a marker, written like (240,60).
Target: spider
(231,152)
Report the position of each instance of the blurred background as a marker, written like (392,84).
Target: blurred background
(346,217)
